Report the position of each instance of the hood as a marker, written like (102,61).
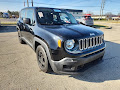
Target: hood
(72,31)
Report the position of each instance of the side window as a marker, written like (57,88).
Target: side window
(30,14)
(22,14)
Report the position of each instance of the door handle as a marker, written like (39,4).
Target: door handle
(31,30)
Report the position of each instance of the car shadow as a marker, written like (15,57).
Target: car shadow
(105,70)
(101,26)
(7,28)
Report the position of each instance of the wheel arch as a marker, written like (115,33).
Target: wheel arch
(17,27)
(39,41)
(42,42)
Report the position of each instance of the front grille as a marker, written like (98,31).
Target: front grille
(90,42)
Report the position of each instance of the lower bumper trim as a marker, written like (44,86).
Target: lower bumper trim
(69,65)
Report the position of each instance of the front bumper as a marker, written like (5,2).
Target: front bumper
(69,65)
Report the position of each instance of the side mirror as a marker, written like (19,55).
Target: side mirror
(26,21)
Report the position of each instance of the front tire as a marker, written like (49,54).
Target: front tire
(42,59)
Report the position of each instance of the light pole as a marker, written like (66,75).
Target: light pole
(27,3)
(24,3)
(102,8)
(32,2)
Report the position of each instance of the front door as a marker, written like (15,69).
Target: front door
(29,27)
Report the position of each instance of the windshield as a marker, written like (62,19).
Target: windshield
(78,17)
(54,17)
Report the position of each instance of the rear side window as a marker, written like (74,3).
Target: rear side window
(30,15)
(22,14)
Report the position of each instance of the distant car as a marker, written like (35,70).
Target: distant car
(13,16)
(86,19)
(5,15)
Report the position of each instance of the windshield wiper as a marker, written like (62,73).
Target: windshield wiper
(58,24)
(45,24)
(51,24)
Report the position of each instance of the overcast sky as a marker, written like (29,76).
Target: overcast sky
(85,5)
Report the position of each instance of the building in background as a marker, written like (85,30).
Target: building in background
(97,17)
(115,17)
(75,13)
(106,17)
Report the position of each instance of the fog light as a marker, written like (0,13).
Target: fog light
(69,60)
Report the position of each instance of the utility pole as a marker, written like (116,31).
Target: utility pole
(27,3)
(102,8)
(32,2)
(24,3)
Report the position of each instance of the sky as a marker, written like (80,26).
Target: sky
(85,5)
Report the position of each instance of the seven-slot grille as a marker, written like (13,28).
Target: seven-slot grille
(90,42)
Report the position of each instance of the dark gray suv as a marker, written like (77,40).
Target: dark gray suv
(60,43)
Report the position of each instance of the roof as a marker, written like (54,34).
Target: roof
(70,10)
(74,10)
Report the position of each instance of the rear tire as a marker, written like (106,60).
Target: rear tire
(42,59)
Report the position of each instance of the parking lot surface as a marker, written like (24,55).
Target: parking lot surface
(8,20)
(19,69)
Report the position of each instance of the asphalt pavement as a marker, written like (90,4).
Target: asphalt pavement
(19,69)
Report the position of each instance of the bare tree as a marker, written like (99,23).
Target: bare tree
(89,12)
(119,14)
(1,13)
(109,15)
(9,12)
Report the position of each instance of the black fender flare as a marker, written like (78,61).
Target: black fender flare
(17,27)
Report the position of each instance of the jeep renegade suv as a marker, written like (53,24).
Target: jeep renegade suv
(60,43)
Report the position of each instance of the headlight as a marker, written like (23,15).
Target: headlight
(70,44)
